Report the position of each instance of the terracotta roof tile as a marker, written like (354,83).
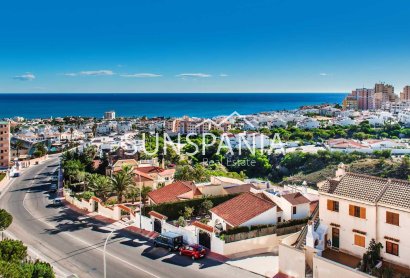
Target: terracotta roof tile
(157,215)
(203,226)
(357,186)
(392,192)
(242,208)
(296,198)
(170,192)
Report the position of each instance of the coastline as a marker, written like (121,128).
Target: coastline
(206,105)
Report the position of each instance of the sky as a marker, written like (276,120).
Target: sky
(202,46)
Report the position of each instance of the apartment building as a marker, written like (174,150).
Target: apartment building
(355,208)
(109,115)
(383,93)
(405,94)
(360,99)
(4,144)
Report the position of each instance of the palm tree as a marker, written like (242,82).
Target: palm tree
(101,186)
(144,193)
(132,193)
(94,129)
(18,146)
(121,181)
(71,132)
(60,130)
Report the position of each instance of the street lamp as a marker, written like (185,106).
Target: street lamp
(105,246)
(139,176)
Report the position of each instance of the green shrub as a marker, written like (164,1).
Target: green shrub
(292,222)
(86,195)
(12,250)
(174,210)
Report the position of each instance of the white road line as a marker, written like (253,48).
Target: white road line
(84,242)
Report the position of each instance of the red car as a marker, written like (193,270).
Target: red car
(195,251)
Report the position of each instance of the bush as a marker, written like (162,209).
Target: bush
(174,210)
(5,219)
(236,230)
(42,269)
(259,227)
(86,195)
(292,222)
(12,250)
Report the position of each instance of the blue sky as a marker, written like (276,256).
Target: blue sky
(202,46)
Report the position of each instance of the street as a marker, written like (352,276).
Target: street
(73,243)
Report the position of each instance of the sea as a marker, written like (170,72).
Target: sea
(48,105)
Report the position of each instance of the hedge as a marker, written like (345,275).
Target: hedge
(173,210)
(245,229)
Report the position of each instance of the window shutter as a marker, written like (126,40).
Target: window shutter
(329,205)
(351,210)
(363,213)
(388,218)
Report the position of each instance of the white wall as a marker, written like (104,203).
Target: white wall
(400,232)
(291,260)
(348,223)
(323,268)
(268,217)
(255,245)
(113,213)
(189,236)
(146,222)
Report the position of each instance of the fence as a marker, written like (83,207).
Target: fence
(262,232)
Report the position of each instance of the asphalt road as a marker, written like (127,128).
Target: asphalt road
(74,243)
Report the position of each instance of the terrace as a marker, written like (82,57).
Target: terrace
(353,262)
(341,258)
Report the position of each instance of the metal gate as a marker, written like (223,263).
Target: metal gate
(205,239)
(157,226)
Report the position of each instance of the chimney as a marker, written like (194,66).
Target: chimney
(341,171)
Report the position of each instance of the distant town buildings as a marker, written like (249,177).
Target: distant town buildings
(405,95)
(110,115)
(4,144)
(381,97)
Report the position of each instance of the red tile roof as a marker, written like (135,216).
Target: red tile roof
(242,208)
(203,226)
(157,215)
(296,198)
(150,169)
(170,192)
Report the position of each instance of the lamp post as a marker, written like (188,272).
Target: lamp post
(105,246)
(139,177)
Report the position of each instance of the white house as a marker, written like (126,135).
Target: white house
(246,209)
(308,123)
(293,205)
(356,208)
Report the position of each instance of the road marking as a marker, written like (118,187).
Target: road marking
(81,240)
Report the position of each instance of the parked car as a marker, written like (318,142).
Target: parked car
(170,240)
(53,188)
(58,201)
(195,251)
(16,174)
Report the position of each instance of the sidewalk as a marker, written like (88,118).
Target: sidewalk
(263,264)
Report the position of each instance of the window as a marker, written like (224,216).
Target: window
(357,211)
(392,248)
(392,218)
(293,210)
(333,205)
(360,240)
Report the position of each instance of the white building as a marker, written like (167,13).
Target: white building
(356,208)
(109,115)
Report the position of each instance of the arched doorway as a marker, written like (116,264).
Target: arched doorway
(204,239)
(157,225)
